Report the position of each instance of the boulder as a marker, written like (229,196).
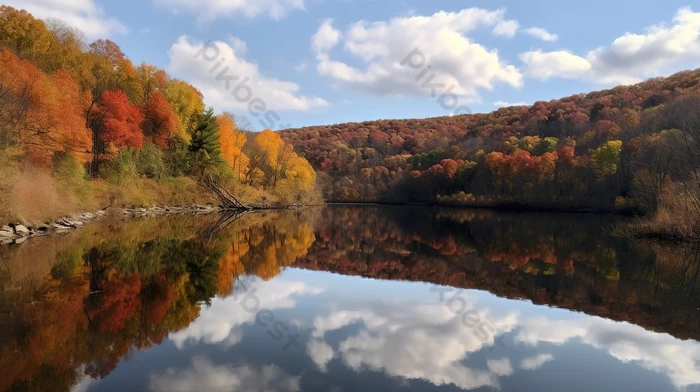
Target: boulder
(7,233)
(87,216)
(21,230)
(62,228)
(70,223)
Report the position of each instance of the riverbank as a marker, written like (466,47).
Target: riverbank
(505,206)
(16,233)
(660,229)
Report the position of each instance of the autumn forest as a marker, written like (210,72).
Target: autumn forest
(633,149)
(82,127)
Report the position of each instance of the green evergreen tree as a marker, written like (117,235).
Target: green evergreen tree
(205,145)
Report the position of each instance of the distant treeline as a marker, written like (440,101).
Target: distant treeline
(634,148)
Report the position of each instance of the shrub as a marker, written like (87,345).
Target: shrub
(457,199)
(123,169)
(72,181)
(151,163)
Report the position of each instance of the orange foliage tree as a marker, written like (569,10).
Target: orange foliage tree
(232,141)
(40,113)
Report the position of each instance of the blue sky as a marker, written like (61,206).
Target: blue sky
(315,62)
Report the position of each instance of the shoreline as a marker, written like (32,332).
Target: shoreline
(16,233)
(508,207)
(636,227)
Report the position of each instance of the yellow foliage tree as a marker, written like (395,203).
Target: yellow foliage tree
(187,102)
(274,162)
(232,141)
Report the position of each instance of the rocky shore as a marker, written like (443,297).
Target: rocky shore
(139,212)
(17,233)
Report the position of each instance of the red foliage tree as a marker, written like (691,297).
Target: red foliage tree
(121,121)
(160,121)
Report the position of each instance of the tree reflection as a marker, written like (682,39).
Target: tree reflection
(126,286)
(562,260)
(77,305)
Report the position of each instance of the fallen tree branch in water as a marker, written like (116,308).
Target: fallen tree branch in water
(227,200)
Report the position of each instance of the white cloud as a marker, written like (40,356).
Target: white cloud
(85,15)
(534,363)
(626,342)
(541,33)
(326,37)
(221,322)
(206,376)
(197,70)
(504,104)
(506,28)
(320,352)
(414,340)
(629,58)
(438,41)
(238,46)
(501,366)
(212,9)
(563,64)
(85,384)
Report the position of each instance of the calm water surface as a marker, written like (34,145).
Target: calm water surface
(350,298)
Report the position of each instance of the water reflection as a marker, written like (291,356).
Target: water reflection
(172,305)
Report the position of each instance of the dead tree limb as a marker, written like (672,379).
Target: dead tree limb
(227,200)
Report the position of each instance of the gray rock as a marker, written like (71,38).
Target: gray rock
(7,233)
(62,228)
(70,222)
(21,230)
(87,216)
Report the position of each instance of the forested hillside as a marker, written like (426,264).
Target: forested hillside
(634,148)
(82,126)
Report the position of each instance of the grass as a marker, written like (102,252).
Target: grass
(665,226)
(31,195)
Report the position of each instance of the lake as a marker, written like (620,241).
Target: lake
(350,298)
